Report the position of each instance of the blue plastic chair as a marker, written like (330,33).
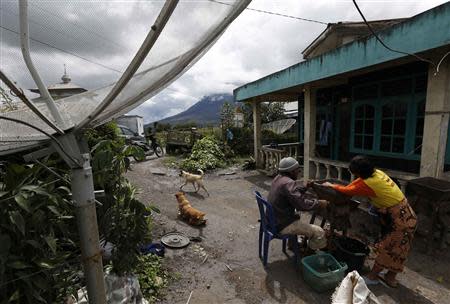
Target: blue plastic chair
(268,232)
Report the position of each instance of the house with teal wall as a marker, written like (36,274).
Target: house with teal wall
(357,97)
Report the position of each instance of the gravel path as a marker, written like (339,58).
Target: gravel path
(224,267)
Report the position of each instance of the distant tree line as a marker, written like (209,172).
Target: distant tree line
(270,111)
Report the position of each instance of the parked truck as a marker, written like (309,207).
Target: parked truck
(181,141)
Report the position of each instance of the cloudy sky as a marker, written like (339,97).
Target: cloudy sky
(255,45)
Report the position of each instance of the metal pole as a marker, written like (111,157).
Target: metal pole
(84,198)
(141,54)
(25,46)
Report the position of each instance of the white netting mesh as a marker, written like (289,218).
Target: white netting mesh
(98,39)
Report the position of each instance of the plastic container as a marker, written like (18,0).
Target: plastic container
(350,251)
(322,271)
(154,248)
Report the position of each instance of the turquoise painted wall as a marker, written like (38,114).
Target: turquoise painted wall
(425,31)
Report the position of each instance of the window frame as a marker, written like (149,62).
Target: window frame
(412,100)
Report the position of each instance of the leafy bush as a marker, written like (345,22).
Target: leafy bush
(206,154)
(38,238)
(122,218)
(242,143)
(214,132)
(152,277)
(108,131)
(39,255)
(269,137)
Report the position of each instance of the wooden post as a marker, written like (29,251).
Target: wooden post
(309,131)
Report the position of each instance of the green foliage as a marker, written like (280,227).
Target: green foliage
(185,125)
(152,277)
(226,116)
(107,131)
(206,154)
(271,111)
(269,137)
(242,143)
(211,131)
(171,161)
(160,127)
(38,253)
(122,219)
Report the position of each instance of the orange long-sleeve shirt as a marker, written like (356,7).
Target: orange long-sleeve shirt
(380,188)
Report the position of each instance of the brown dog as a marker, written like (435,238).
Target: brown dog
(189,213)
(194,179)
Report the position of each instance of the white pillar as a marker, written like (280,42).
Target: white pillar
(309,138)
(437,109)
(257,132)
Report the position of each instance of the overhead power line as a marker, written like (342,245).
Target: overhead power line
(382,42)
(64,51)
(273,13)
(85,29)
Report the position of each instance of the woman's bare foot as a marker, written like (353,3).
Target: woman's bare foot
(389,279)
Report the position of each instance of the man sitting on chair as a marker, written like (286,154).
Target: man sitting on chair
(286,196)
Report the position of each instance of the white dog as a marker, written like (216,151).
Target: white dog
(194,179)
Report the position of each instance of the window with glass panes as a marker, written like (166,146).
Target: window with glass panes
(393,126)
(364,118)
(388,117)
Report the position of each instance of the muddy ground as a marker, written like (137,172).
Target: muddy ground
(224,267)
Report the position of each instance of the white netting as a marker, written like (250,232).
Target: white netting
(98,39)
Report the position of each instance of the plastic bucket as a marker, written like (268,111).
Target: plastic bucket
(350,251)
(322,272)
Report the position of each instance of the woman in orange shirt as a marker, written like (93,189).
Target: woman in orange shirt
(389,200)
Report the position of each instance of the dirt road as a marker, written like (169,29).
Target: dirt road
(224,267)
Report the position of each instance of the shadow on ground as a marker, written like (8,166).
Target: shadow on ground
(259,181)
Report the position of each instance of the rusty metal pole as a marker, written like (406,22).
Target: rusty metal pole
(84,199)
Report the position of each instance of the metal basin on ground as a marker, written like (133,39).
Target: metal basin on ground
(175,240)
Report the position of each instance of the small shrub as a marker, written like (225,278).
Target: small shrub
(206,154)
(242,143)
(152,276)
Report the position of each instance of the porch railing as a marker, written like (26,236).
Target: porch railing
(326,169)
(270,157)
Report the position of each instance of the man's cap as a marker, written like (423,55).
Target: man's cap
(288,164)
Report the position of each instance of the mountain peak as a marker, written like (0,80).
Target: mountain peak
(204,112)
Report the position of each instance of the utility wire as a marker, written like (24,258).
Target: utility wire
(45,133)
(384,44)
(439,64)
(64,51)
(272,13)
(80,26)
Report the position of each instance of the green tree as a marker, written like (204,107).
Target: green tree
(270,111)
(226,116)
